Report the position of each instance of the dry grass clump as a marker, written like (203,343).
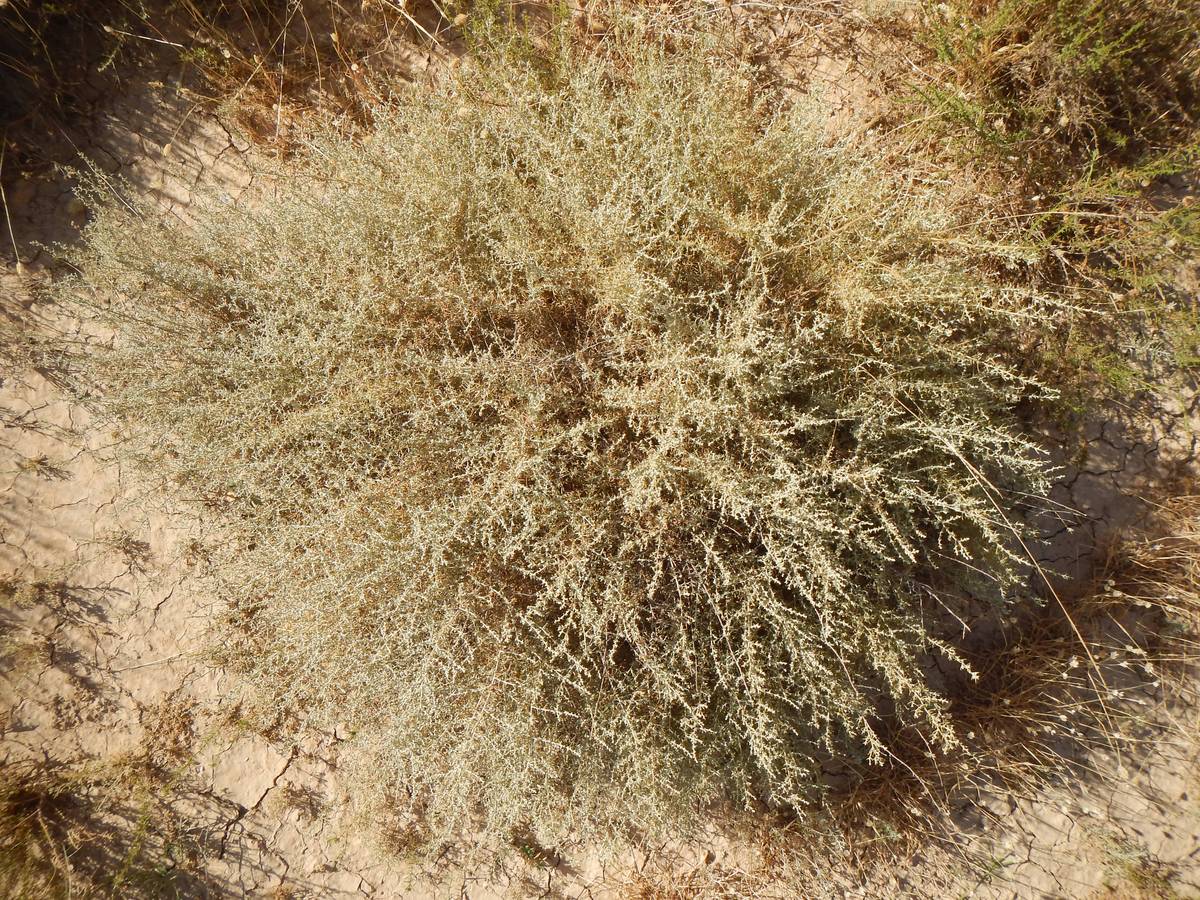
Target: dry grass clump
(264,65)
(1078,120)
(35,817)
(599,439)
(1054,81)
(271,64)
(80,830)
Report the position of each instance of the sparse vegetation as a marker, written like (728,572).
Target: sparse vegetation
(43,467)
(35,816)
(73,831)
(265,64)
(1134,872)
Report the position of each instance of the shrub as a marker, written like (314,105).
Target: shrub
(595,437)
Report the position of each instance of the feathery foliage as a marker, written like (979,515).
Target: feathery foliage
(598,437)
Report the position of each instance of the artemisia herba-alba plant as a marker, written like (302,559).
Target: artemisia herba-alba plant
(596,437)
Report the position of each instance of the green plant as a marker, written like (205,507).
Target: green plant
(595,439)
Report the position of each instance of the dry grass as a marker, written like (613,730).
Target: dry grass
(264,65)
(271,66)
(1074,117)
(90,830)
(35,821)
(1048,84)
